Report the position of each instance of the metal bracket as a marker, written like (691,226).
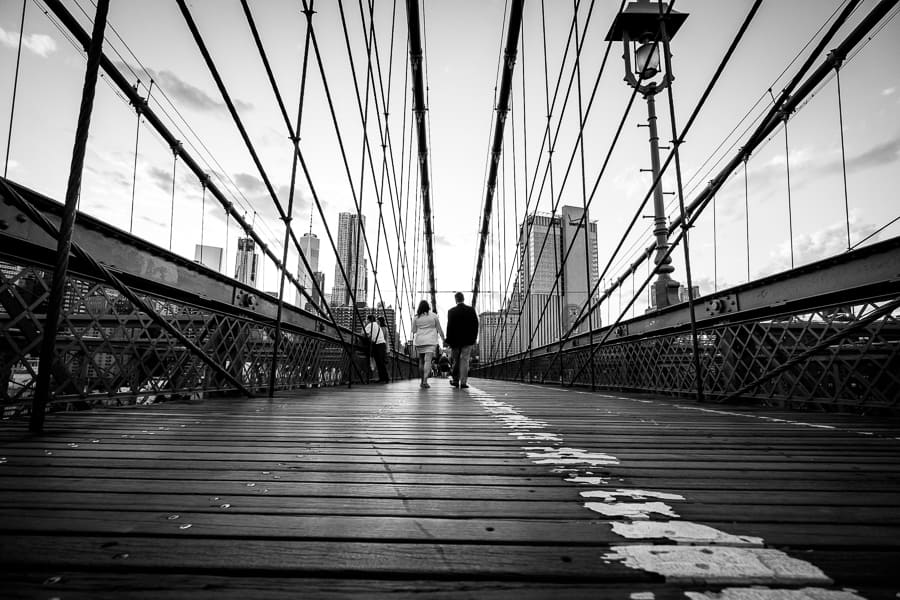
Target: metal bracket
(721,305)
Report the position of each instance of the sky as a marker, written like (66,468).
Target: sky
(463,44)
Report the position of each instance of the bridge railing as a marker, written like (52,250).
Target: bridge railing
(108,349)
(823,334)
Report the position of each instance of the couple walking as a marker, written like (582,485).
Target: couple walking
(462,332)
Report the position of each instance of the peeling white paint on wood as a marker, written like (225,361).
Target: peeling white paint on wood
(568,456)
(633,494)
(684,532)
(719,564)
(760,593)
(588,480)
(631,510)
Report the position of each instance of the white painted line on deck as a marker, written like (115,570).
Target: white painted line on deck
(700,554)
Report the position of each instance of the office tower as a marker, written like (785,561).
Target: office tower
(314,293)
(547,311)
(309,244)
(351,249)
(345,316)
(208,256)
(246,261)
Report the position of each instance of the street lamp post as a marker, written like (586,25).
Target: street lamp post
(638,28)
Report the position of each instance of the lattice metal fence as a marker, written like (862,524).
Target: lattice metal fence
(107,349)
(842,354)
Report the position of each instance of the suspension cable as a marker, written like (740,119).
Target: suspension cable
(12,109)
(419,108)
(787,102)
(512,43)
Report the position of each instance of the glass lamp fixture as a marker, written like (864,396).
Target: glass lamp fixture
(646,60)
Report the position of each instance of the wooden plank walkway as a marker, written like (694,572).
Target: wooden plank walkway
(503,490)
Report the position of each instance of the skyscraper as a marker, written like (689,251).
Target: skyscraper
(246,261)
(547,311)
(208,256)
(309,244)
(351,252)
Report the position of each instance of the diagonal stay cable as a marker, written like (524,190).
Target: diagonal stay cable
(768,123)
(150,115)
(201,45)
(226,96)
(786,102)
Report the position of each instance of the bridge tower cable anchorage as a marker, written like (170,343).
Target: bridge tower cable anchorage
(198,39)
(788,100)
(416,55)
(122,83)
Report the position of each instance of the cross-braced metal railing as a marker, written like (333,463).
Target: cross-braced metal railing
(826,334)
(107,348)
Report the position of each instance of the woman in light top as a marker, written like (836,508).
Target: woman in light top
(426,328)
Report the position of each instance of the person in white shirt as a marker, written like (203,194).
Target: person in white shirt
(378,342)
(426,328)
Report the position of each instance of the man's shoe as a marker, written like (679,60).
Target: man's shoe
(463,386)
(454,383)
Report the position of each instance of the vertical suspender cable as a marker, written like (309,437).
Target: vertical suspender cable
(287,219)
(747,216)
(685,225)
(837,72)
(67,223)
(586,222)
(172,204)
(12,109)
(787,164)
(715,246)
(137,136)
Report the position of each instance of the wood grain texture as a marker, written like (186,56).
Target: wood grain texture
(393,492)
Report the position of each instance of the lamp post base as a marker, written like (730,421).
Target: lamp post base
(664,292)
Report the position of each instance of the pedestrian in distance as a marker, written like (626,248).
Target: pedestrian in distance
(378,346)
(426,329)
(462,333)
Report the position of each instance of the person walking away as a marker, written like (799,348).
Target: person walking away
(426,328)
(462,333)
(388,344)
(378,346)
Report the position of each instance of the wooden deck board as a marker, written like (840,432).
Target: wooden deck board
(392,491)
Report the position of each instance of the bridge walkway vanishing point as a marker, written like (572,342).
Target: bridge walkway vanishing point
(502,490)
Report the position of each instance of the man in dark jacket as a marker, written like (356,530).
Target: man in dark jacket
(462,333)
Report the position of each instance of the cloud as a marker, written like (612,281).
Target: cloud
(189,94)
(883,154)
(249,184)
(888,91)
(824,243)
(40,44)
(180,91)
